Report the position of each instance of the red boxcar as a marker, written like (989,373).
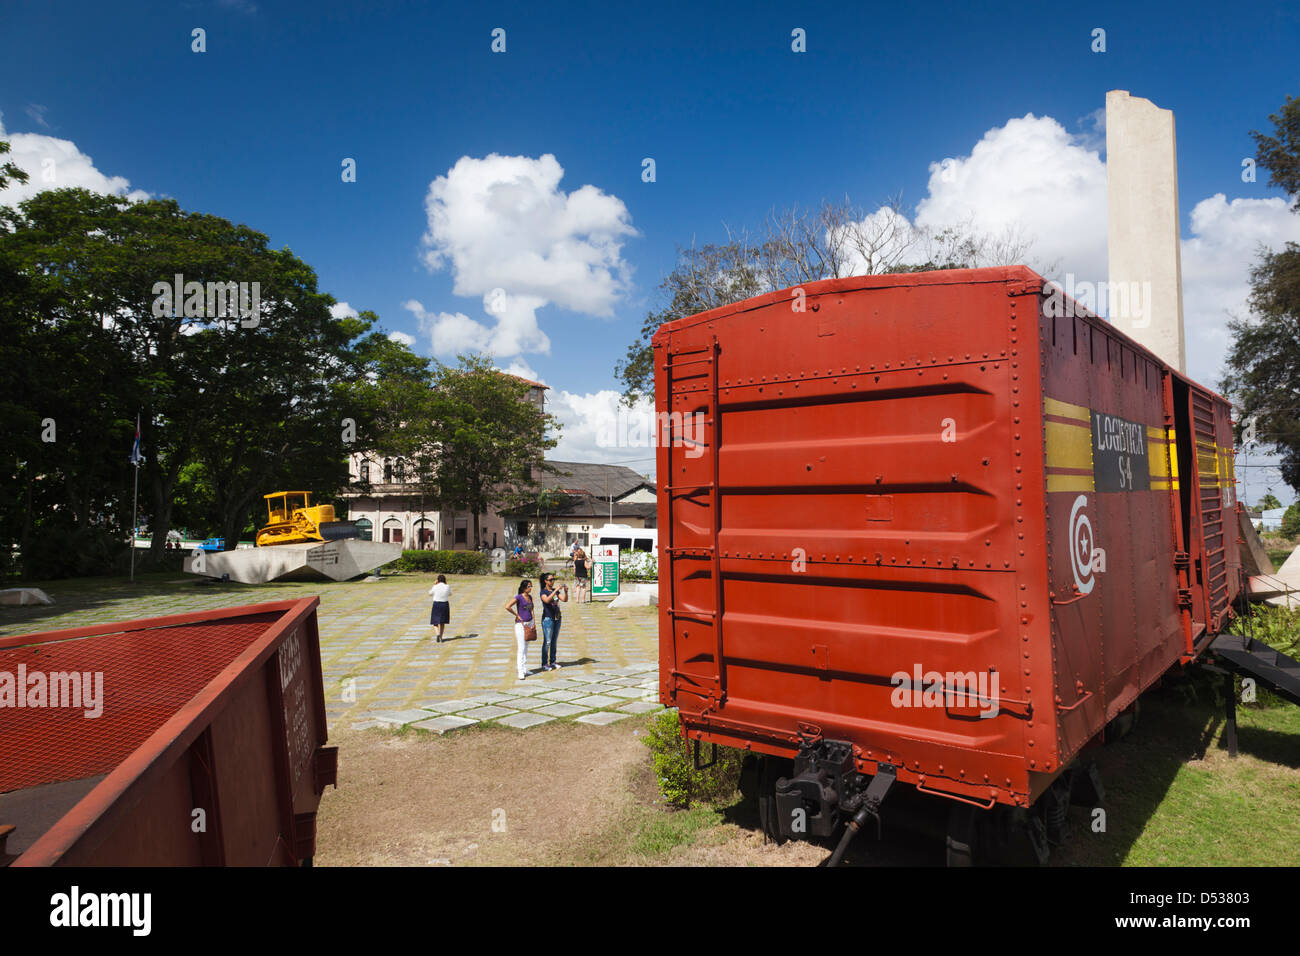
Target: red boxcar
(198,739)
(936,528)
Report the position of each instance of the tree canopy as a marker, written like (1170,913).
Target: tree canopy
(1263,364)
(232,403)
(470,433)
(806,245)
(1280,154)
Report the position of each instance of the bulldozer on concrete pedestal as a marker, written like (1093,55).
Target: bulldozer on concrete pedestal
(292,519)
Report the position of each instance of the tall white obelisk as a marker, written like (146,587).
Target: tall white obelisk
(1146,279)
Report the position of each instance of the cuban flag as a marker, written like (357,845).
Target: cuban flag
(135,457)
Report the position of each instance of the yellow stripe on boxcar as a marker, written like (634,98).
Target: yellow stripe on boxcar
(1052,406)
(1069,483)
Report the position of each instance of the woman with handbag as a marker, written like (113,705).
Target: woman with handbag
(521,606)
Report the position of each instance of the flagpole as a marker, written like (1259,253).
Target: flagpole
(135,460)
(134,503)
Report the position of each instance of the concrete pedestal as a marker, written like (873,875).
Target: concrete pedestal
(333,560)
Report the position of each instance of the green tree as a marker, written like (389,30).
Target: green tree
(797,246)
(485,435)
(705,278)
(9,172)
(230,402)
(1291,521)
(1263,363)
(70,389)
(1269,502)
(1280,154)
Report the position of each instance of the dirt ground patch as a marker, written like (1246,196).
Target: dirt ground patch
(563,795)
(489,795)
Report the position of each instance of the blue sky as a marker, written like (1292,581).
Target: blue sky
(255,128)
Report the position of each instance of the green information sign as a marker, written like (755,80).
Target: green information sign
(604,569)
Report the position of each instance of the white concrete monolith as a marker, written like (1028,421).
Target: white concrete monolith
(306,560)
(1146,279)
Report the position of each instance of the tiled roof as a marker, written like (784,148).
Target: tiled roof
(602,481)
(598,509)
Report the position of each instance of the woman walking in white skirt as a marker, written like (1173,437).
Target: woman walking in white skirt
(521,606)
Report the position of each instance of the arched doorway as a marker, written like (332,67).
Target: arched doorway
(392,531)
(365,529)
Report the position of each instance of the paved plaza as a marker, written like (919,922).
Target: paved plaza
(381,664)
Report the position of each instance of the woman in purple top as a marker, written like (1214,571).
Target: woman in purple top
(521,606)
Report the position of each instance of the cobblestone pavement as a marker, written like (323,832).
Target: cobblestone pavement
(381,664)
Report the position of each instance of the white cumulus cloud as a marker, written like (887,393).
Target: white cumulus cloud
(523,370)
(597,428)
(510,234)
(1217,258)
(1034,177)
(53,163)
(1031,176)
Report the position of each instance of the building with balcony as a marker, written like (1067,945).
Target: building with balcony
(385,500)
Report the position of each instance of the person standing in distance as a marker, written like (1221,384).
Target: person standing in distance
(551,598)
(441,613)
(581,565)
(521,606)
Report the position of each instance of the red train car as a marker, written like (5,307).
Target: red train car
(189,740)
(936,529)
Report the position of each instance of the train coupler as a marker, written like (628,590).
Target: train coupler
(825,790)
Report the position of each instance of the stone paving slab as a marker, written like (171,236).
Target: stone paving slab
(600,718)
(628,693)
(520,703)
(641,707)
(524,721)
(399,716)
(440,725)
(561,710)
(564,683)
(448,706)
(488,713)
(562,695)
(596,700)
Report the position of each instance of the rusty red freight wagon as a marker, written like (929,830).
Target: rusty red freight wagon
(195,739)
(937,529)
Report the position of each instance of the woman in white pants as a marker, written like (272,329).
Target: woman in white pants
(521,606)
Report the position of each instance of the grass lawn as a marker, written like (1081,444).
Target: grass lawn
(1279,555)
(1175,798)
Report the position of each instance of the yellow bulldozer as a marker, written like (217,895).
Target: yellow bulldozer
(292,518)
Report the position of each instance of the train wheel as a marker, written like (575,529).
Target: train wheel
(963,834)
(1124,723)
(1021,837)
(1001,836)
(770,769)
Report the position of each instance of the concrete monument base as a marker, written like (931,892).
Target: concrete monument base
(308,560)
(24,596)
